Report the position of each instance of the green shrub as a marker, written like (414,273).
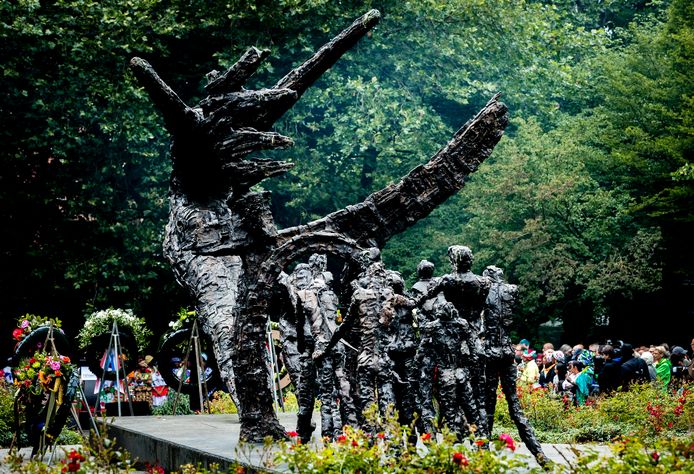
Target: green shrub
(69,437)
(166,409)
(644,410)
(221,403)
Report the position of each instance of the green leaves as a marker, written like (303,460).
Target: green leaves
(577,202)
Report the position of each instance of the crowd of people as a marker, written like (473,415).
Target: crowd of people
(581,372)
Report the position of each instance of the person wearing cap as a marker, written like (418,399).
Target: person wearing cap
(531,372)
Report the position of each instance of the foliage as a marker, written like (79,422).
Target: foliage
(387,451)
(97,454)
(101,322)
(643,411)
(183,318)
(167,408)
(591,212)
(69,437)
(6,415)
(633,455)
(221,403)
(570,243)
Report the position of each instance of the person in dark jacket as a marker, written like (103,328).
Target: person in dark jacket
(609,378)
(634,369)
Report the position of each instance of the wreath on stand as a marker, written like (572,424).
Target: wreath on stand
(172,353)
(93,339)
(45,378)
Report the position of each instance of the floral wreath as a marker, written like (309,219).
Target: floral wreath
(43,373)
(29,322)
(101,322)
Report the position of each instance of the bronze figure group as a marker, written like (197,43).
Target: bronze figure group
(445,339)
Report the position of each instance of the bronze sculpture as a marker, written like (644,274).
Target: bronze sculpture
(221,239)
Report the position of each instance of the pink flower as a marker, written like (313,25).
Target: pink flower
(506,438)
(55,365)
(655,455)
(25,324)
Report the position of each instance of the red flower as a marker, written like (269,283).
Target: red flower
(32,360)
(655,455)
(460,459)
(341,439)
(381,435)
(426,436)
(480,442)
(75,456)
(293,434)
(506,438)
(18,334)
(354,443)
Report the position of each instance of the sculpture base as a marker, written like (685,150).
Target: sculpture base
(172,441)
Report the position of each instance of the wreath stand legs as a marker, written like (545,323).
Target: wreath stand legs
(194,343)
(115,346)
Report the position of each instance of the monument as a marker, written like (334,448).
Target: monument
(221,238)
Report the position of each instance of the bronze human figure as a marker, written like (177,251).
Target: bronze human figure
(500,364)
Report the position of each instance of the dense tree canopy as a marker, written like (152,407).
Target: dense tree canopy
(586,202)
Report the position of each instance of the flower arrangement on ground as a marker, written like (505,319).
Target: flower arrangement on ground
(101,322)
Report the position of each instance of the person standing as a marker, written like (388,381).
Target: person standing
(663,366)
(647,357)
(609,378)
(531,372)
(548,371)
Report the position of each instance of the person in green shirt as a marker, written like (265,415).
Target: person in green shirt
(663,366)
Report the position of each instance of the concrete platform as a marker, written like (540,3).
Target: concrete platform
(172,441)
(206,439)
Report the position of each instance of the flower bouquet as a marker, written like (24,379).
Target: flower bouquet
(42,373)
